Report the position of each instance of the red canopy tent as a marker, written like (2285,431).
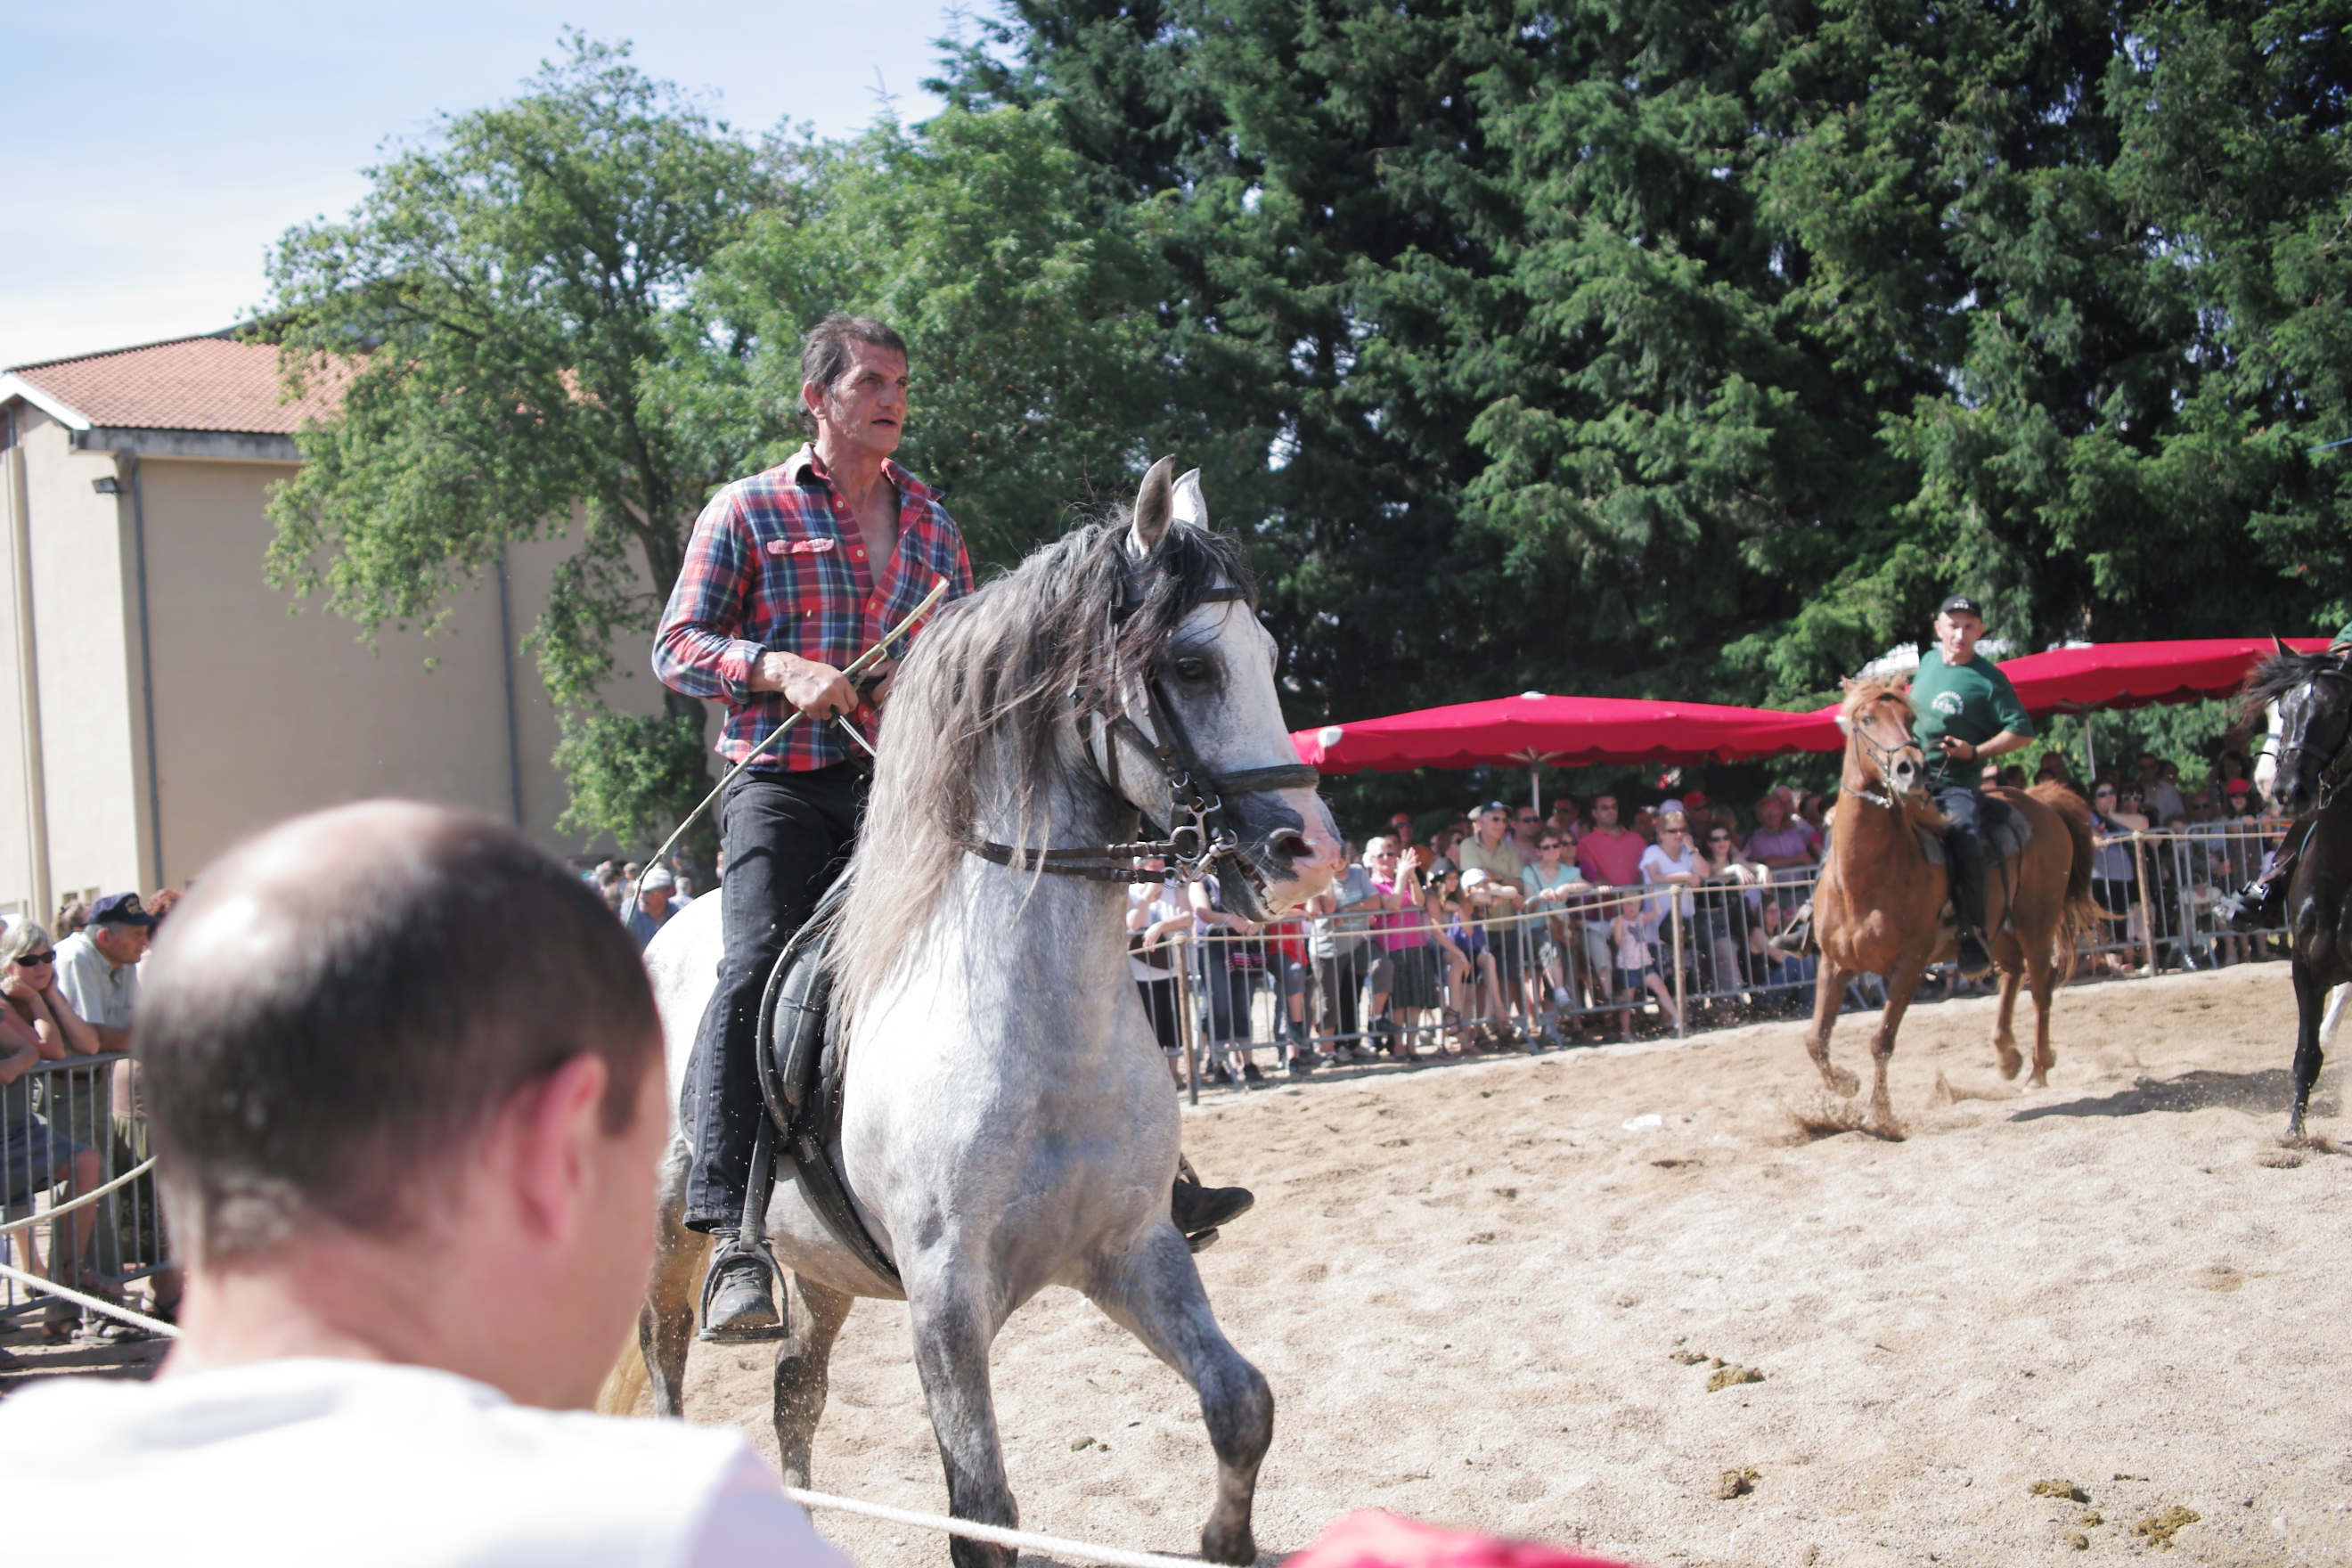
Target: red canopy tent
(1582,732)
(1564,731)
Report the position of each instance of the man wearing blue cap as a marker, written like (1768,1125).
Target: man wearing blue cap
(97,966)
(1966,712)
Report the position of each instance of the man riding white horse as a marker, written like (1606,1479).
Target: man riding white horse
(789,576)
(1966,712)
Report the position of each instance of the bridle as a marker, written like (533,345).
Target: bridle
(1882,756)
(1198,839)
(2337,771)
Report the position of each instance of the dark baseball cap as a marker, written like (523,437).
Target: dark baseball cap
(120,909)
(1494,805)
(1960,603)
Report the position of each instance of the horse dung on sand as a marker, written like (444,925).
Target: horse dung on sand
(1005,1119)
(1880,907)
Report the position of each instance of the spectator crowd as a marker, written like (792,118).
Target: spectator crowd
(1626,911)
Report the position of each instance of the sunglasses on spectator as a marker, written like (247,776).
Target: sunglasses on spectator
(32,959)
(1548,844)
(1719,837)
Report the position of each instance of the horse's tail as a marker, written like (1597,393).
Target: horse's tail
(628,1379)
(2080,915)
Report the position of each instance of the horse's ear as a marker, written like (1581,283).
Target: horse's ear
(1155,510)
(2276,643)
(1845,725)
(1191,506)
(1845,683)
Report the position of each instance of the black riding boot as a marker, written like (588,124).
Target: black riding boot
(1198,1211)
(737,1301)
(2260,904)
(1964,851)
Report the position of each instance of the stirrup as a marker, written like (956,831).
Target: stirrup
(734,1248)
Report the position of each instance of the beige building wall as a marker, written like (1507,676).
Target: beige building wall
(259,713)
(85,625)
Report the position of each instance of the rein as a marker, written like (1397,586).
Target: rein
(1199,837)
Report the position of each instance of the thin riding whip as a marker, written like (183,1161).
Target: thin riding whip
(864,662)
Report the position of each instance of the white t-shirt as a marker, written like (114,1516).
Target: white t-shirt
(306,1461)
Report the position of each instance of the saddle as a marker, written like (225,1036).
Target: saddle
(2003,826)
(802,1063)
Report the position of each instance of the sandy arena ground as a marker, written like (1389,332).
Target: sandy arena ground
(1475,1290)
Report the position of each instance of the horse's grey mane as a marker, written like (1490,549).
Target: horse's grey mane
(976,711)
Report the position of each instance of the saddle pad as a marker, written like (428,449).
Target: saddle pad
(799,1078)
(2004,828)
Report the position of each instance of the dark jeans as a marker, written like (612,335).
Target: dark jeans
(786,836)
(1965,853)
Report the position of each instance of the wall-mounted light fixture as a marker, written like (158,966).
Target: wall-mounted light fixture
(107,487)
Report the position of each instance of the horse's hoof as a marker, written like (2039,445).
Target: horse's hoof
(1847,1085)
(2040,1079)
(1885,1129)
(1235,1545)
(2012,1063)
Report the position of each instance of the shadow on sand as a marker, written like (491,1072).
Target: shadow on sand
(2263,1093)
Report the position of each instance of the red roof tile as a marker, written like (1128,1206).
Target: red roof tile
(190,383)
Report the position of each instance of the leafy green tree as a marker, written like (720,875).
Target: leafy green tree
(514,303)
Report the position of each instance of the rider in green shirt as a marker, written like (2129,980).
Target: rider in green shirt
(1966,711)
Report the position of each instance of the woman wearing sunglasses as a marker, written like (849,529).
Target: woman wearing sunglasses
(37,1025)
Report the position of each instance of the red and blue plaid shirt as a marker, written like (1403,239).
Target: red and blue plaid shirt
(776,564)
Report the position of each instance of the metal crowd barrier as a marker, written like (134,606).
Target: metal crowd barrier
(1602,966)
(68,1127)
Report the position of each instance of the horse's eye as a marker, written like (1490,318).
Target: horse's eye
(1193,669)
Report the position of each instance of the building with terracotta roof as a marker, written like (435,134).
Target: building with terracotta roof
(161,697)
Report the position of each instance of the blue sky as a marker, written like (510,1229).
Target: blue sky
(159,148)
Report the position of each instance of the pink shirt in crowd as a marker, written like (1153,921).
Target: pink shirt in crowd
(1408,927)
(1611,858)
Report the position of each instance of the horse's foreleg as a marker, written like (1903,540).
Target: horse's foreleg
(1154,1292)
(2310,1002)
(1901,986)
(801,1375)
(665,1325)
(952,1332)
(1827,994)
(2004,1026)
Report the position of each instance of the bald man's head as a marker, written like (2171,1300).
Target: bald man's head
(346,999)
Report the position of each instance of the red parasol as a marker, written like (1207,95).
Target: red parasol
(1560,732)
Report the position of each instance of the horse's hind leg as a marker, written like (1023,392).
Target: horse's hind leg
(1154,1292)
(1827,994)
(952,1334)
(2310,1002)
(802,1375)
(2042,976)
(665,1325)
(2004,1026)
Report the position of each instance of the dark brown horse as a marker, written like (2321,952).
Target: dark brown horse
(1880,907)
(2314,693)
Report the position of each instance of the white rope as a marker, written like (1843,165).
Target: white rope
(91,1196)
(1052,1545)
(95,1304)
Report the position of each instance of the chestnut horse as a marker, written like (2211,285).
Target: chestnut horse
(1880,907)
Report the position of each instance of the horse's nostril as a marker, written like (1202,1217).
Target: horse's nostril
(1291,847)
